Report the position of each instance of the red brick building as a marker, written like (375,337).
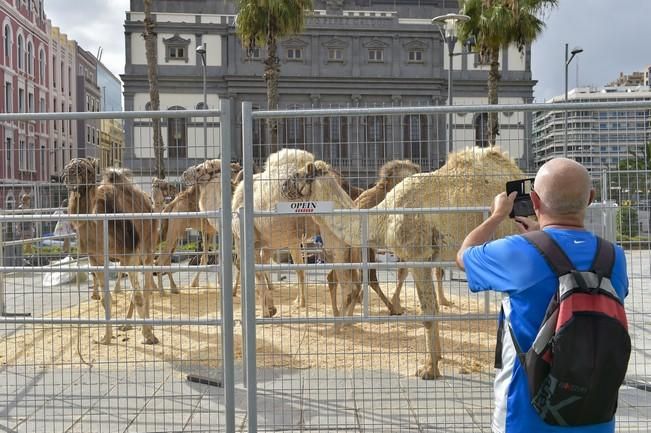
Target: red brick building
(25,87)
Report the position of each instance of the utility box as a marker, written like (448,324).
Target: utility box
(600,218)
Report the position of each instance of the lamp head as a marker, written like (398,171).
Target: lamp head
(201,50)
(450,22)
(576,50)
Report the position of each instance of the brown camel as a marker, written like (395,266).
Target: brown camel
(172,230)
(162,193)
(469,178)
(131,242)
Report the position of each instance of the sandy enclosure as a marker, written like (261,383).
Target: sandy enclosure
(468,345)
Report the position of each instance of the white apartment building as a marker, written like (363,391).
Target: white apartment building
(597,139)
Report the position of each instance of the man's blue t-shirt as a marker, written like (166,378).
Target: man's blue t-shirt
(513,266)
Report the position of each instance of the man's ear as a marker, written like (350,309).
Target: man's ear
(592,196)
(535,199)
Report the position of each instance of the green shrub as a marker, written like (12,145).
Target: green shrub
(627,223)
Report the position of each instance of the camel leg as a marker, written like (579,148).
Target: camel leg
(106,301)
(141,304)
(297,258)
(173,287)
(95,295)
(332,288)
(264,286)
(429,306)
(375,285)
(443,301)
(395,299)
(206,241)
(118,286)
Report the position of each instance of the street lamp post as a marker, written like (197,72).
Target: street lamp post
(575,51)
(201,50)
(449,22)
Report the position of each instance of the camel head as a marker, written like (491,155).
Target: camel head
(163,192)
(80,173)
(393,172)
(202,173)
(299,185)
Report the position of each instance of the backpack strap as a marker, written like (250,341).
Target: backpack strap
(551,251)
(604,258)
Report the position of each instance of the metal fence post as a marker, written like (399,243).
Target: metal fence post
(226,246)
(106,292)
(365,262)
(248,290)
(3,304)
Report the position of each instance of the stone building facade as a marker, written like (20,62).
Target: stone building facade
(352,53)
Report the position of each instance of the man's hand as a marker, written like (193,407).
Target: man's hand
(503,204)
(526,225)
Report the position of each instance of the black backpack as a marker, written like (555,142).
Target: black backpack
(579,357)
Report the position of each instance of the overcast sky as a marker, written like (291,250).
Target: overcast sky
(615,36)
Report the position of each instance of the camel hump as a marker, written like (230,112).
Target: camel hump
(117,176)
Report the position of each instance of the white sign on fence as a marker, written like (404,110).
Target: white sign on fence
(312,207)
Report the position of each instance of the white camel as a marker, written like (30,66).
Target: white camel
(470,178)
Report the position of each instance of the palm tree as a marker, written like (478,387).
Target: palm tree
(151,47)
(495,24)
(262,23)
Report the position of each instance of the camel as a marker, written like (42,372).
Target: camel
(172,230)
(391,173)
(162,193)
(469,178)
(285,232)
(131,242)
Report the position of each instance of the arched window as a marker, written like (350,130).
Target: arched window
(21,53)
(481,130)
(148,106)
(30,58)
(201,106)
(7,44)
(11,202)
(177,136)
(41,66)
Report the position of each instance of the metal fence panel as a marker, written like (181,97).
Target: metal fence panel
(310,368)
(54,375)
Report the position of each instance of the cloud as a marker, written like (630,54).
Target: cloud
(93,23)
(614,36)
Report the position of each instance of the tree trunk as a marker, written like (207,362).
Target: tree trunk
(493,78)
(151,49)
(271,76)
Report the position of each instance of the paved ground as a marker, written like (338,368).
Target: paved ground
(157,397)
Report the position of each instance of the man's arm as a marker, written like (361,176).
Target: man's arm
(484,232)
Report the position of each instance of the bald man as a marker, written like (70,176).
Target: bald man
(513,266)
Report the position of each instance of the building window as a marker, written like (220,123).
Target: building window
(54,72)
(9,157)
(41,67)
(374,150)
(8,98)
(201,106)
(481,130)
(7,44)
(30,58)
(254,53)
(176,48)
(21,53)
(32,157)
(62,75)
(88,134)
(335,55)
(69,81)
(335,139)
(415,56)
(21,100)
(375,55)
(30,103)
(415,137)
(294,53)
(177,136)
(22,155)
(260,139)
(11,202)
(294,128)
